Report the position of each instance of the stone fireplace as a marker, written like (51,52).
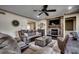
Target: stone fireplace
(53,32)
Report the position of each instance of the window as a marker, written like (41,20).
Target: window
(70,24)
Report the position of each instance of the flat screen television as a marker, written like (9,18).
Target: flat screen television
(55,21)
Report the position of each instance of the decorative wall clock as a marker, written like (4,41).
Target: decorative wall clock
(15,23)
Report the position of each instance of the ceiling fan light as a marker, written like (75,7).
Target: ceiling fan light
(70,7)
(38,16)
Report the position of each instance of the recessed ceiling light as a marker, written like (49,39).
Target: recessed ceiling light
(38,16)
(70,7)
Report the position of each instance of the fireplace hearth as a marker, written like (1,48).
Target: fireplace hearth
(54,32)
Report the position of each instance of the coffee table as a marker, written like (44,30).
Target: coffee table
(43,41)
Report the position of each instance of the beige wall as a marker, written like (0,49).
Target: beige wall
(6,23)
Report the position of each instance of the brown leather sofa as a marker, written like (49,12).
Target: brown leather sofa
(62,44)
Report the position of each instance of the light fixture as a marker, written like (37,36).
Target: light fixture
(38,16)
(70,7)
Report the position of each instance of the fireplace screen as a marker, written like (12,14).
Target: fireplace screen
(54,32)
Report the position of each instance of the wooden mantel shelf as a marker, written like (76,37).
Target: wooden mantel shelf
(54,26)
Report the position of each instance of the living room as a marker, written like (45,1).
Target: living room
(38,29)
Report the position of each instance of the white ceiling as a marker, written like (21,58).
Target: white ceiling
(27,10)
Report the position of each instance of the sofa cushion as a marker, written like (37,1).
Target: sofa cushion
(34,47)
(21,44)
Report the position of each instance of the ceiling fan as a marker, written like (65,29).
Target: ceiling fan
(45,11)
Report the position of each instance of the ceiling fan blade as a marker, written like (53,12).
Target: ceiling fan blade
(40,13)
(45,7)
(46,13)
(37,10)
(53,10)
